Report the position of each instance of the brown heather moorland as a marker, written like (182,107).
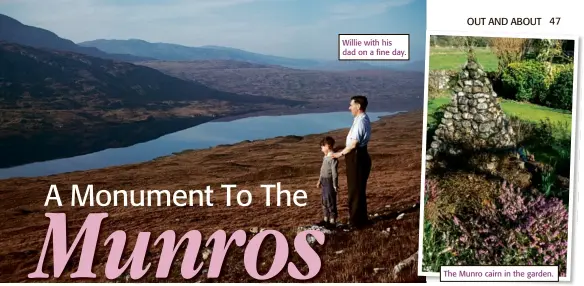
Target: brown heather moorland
(356,256)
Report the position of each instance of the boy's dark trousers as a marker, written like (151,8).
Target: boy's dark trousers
(358,164)
(329,198)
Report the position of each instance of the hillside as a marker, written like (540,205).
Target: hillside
(174,52)
(13,31)
(287,83)
(55,104)
(394,189)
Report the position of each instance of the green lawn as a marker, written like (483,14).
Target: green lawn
(525,111)
(453,58)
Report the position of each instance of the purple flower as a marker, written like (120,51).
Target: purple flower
(515,228)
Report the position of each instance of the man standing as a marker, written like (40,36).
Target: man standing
(358,161)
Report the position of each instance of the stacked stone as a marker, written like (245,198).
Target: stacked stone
(473,118)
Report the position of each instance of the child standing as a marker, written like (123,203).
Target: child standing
(329,182)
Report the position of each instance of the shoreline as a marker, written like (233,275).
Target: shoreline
(61,144)
(331,108)
(399,105)
(179,153)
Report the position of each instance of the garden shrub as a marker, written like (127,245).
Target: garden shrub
(436,252)
(523,129)
(561,90)
(495,79)
(549,141)
(554,70)
(544,133)
(525,81)
(515,228)
(562,150)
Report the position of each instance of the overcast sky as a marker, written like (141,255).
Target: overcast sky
(291,28)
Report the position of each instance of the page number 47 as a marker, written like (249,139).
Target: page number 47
(555,21)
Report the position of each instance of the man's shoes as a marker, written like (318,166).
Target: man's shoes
(332,223)
(359,226)
(323,223)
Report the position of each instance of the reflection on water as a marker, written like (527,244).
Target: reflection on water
(202,136)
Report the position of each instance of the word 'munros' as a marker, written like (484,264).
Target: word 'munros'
(57,231)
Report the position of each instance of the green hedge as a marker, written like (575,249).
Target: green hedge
(539,83)
(525,81)
(561,90)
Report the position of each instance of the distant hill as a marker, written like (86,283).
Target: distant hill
(56,103)
(13,31)
(173,52)
(44,74)
(295,84)
(418,66)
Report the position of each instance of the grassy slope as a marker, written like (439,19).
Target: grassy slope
(453,58)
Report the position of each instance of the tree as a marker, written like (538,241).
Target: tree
(549,50)
(509,50)
(465,43)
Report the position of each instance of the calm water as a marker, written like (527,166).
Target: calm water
(199,137)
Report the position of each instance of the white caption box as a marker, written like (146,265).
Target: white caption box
(499,273)
(374,47)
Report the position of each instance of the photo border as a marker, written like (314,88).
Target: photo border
(573,142)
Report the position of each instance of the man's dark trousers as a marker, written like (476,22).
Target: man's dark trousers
(358,164)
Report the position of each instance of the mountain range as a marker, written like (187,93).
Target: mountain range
(11,30)
(61,99)
(135,50)
(174,52)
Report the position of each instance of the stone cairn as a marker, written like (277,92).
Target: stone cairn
(473,120)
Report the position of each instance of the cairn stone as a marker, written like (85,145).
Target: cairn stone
(473,120)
